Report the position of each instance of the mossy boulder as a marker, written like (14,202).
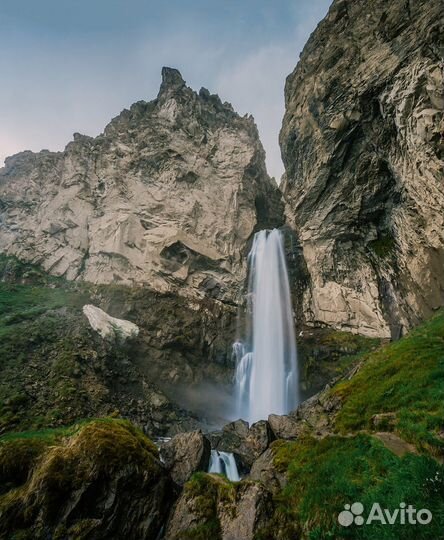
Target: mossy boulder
(103,481)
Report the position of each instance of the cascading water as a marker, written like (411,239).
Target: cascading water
(266,378)
(224,463)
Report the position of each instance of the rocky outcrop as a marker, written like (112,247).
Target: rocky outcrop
(109,327)
(168,195)
(264,470)
(246,443)
(185,454)
(362,146)
(212,507)
(105,481)
(284,426)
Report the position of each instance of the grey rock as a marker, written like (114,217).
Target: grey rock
(364,165)
(108,327)
(238,517)
(285,426)
(264,470)
(246,443)
(167,196)
(185,454)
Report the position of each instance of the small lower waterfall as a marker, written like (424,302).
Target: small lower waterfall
(266,378)
(224,463)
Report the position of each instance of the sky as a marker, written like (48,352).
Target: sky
(71,65)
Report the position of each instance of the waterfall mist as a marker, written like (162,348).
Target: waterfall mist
(266,378)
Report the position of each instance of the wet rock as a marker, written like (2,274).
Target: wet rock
(246,443)
(185,454)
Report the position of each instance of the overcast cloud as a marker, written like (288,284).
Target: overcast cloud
(72,65)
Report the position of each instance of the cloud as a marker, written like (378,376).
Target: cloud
(55,85)
(255,85)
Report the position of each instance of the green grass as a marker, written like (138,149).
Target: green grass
(327,354)
(22,303)
(324,475)
(405,377)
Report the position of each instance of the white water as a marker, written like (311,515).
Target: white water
(224,463)
(266,378)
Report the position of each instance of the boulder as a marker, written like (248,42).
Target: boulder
(222,509)
(285,426)
(264,470)
(185,454)
(246,443)
(108,327)
(104,481)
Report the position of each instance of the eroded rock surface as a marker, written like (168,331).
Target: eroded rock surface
(213,507)
(185,454)
(168,195)
(363,151)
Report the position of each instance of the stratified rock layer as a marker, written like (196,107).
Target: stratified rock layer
(169,195)
(363,150)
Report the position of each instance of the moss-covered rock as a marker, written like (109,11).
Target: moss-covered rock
(103,481)
(55,369)
(212,507)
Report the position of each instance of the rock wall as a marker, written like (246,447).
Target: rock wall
(363,151)
(169,195)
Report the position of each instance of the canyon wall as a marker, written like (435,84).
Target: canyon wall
(362,143)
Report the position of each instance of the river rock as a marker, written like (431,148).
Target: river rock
(364,166)
(109,327)
(185,454)
(246,443)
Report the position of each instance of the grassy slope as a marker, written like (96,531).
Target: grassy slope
(323,475)
(406,378)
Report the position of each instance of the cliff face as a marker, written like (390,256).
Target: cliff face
(169,195)
(363,150)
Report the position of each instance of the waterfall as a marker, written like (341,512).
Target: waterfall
(266,378)
(224,463)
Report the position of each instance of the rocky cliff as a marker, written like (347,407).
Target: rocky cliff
(168,195)
(363,150)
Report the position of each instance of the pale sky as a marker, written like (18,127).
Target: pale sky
(71,65)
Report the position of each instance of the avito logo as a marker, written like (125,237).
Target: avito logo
(405,514)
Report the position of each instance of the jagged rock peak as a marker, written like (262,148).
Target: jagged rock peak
(171,80)
(169,194)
